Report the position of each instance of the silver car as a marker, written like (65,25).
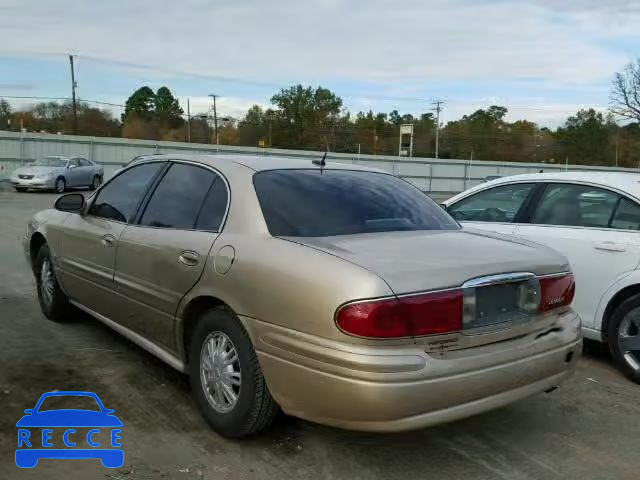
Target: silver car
(58,173)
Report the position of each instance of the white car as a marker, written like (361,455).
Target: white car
(591,217)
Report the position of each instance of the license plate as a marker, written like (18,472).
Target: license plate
(496,304)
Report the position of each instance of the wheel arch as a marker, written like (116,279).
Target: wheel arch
(36,241)
(618,298)
(191,312)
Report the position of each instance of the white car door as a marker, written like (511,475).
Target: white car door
(494,209)
(596,229)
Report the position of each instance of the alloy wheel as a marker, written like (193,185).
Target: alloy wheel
(629,338)
(220,373)
(47,285)
(60,185)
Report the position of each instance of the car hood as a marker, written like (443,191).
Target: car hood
(38,170)
(430,260)
(69,418)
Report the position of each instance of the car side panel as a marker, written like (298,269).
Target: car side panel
(85,260)
(151,278)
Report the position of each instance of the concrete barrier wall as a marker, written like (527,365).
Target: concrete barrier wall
(440,177)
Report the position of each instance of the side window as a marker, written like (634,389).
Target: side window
(214,207)
(575,205)
(84,163)
(627,215)
(498,204)
(179,197)
(119,199)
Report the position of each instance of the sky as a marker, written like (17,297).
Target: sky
(543,59)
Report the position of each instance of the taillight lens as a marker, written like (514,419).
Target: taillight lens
(416,315)
(556,292)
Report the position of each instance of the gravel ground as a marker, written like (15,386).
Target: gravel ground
(588,429)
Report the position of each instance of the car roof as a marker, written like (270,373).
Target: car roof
(628,182)
(263,162)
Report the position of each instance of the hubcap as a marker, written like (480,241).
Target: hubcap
(59,186)
(46,282)
(220,372)
(629,338)
(96,183)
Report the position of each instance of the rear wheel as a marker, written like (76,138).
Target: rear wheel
(624,337)
(60,185)
(226,379)
(95,183)
(53,302)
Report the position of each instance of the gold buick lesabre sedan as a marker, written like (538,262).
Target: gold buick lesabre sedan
(337,293)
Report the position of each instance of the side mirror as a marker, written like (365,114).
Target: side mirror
(29,411)
(71,202)
(70,166)
(109,411)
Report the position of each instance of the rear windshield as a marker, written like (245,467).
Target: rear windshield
(311,203)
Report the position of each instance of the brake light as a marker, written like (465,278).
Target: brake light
(416,315)
(556,292)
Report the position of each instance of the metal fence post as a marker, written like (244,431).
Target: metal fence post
(466,175)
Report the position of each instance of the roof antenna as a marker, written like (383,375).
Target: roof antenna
(321,163)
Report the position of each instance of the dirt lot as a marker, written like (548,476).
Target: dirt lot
(588,429)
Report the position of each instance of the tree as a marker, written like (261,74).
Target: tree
(5,114)
(585,137)
(140,104)
(309,114)
(167,109)
(625,94)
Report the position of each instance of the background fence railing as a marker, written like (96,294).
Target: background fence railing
(439,177)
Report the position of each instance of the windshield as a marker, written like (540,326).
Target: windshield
(311,203)
(66,402)
(50,162)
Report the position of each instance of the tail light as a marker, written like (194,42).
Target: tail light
(451,310)
(415,315)
(556,292)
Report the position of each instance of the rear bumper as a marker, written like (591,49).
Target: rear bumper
(404,388)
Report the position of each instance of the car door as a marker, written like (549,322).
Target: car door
(86,253)
(162,256)
(495,209)
(85,169)
(596,229)
(74,173)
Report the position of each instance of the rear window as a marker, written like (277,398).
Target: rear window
(311,203)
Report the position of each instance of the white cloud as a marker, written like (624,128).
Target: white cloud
(374,40)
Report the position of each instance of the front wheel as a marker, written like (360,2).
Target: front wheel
(53,302)
(226,379)
(624,337)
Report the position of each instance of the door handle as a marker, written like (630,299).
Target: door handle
(108,241)
(610,246)
(189,258)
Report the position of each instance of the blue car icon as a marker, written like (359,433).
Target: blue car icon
(31,448)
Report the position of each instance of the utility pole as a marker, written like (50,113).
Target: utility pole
(188,121)
(215,115)
(73,97)
(437,107)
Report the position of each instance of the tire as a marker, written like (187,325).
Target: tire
(60,185)
(254,408)
(53,302)
(20,189)
(625,322)
(95,183)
